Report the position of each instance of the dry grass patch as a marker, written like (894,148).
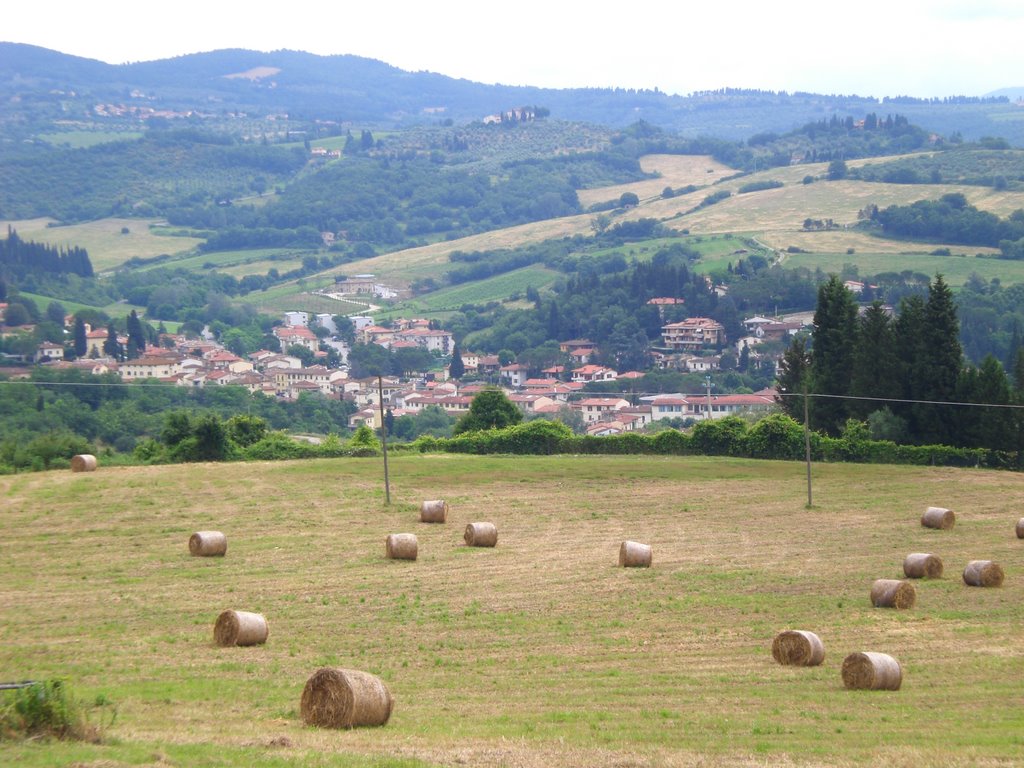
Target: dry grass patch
(675,171)
(107,246)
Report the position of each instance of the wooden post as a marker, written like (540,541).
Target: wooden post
(807,446)
(384,439)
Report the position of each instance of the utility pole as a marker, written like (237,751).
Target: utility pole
(384,439)
(707,382)
(807,446)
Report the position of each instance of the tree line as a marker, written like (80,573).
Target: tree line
(951,219)
(900,374)
(19,258)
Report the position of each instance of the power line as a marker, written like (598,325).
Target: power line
(898,400)
(695,397)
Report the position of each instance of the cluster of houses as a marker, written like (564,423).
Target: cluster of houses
(558,391)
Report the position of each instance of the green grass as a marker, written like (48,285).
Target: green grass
(537,652)
(42,302)
(292,297)
(955,269)
(254,261)
(497,288)
(84,139)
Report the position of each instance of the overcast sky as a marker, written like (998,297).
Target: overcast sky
(867,47)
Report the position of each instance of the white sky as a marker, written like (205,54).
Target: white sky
(868,47)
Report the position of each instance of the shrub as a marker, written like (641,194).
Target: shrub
(276,446)
(720,437)
(364,443)
(47,710)
(776,436)
(670,441)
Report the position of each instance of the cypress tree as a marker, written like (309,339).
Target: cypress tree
(111,346)
(81,344)
(136,336)
(834,338)
(457,369)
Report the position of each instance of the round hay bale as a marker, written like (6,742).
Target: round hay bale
(871,671)
(893,593)
(83,462)
(402,546)
(208,544)
(938,517)
(345,698)
(633,554)
(983,573)
(481,535)
(240,628)
(798,648)
(435,511)
(920,565)
(1020,528)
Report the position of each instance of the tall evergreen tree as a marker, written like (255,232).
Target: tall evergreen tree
(939,367)
(457,368)
(80,341)
(991,427)
(111,346)
(793,373)
(136,336)
(876,369)
(834,338)
(909,329)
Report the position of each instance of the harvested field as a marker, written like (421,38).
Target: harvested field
(516,655)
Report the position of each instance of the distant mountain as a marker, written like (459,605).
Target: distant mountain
(1013,94)
(39,85)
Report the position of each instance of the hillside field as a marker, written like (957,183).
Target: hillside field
(107,246)
(539,652)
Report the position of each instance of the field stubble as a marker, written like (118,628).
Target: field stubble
(540,651)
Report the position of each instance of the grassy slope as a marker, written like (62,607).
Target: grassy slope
(539,652)
(107,247)
(775,217)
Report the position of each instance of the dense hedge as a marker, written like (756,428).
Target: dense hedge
(774,437)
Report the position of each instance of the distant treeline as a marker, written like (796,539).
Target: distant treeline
(20,257)
(950,219)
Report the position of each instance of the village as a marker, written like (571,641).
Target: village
(692,345)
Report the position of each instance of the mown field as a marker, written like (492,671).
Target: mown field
(539,652)
(107,246)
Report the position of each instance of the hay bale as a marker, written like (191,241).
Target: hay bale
(920,565)
(983,573)
(481,535)
(798,648)
(83,462)
(938,517)
(871,671)
(240,628)
(434,511)
(208,544)
(345,698)
(402,546)
(893,593)
(1020,528)
(633,554)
